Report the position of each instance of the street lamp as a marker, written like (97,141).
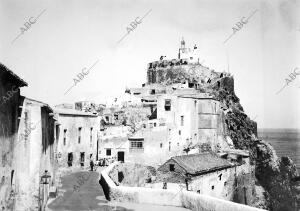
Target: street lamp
(45,178)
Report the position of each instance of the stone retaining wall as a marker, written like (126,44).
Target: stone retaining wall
(187,199)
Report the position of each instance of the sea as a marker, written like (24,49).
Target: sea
(286,142)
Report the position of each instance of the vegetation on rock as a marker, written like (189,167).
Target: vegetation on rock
(273,174)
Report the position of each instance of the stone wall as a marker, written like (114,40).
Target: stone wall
(183,198)
(35,150)
(9,110)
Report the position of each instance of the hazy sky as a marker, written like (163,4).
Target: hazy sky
(72,34)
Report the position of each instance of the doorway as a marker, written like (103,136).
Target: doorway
(121,156)
(82,158)
(70,159)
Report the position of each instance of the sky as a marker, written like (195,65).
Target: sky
(70,36)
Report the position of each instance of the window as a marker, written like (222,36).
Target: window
(168,105)
(198,191)
(172,167)
(182,120)
(152,91)
(179,132)
(108,152)
(136,144)
(91,137)
(70,157)
(169,146)
(154,124)
(225,183)
(79,135)
(65,136)
(161,145)
(212,187)
(220,176)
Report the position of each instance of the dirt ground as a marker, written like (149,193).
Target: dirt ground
(82,192)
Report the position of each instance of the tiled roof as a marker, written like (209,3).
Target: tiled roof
(43,104)
(201,163)
(197,96)
(20,81)
(74,112)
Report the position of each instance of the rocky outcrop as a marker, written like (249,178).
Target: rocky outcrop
(275,175)
(132,174)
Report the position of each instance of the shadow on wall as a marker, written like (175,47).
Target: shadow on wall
(105,187)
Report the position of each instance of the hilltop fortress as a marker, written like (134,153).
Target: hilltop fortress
(193,109)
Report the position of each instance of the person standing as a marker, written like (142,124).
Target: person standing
(92,165)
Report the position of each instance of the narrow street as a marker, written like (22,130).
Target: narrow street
(82,192)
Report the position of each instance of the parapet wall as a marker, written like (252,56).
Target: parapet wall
(187,199)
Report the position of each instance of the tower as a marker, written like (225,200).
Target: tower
(182,48)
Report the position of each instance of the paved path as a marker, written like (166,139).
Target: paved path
(82,192)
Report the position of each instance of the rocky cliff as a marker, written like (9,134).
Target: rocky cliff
(275,175)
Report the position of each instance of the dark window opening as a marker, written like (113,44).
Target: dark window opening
(120,176)
(179,132)
(154,124)
(172,167)
(182,120)
(65,136)
(198,191)
(79,135)
(108,152)
(168,105)
(91,137)
(152,91)
(191,85)
(161,145)
(12,177)
(212,187)
(225,183)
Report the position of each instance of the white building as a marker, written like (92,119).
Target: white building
(77,137)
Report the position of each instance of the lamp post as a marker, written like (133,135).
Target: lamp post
(45,180)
